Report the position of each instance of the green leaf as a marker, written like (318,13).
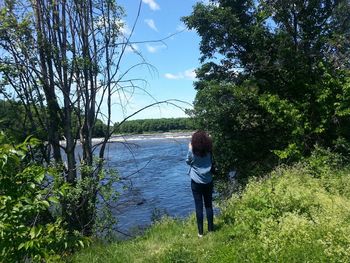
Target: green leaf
(46,203)
(32,233)
(53,199)
(21,246)
(40,177)
(81,243)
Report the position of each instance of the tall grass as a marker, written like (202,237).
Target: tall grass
(293,215)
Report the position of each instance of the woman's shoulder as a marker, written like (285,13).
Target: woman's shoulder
(206,156)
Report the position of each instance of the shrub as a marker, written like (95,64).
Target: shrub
(30,224)
(291,216)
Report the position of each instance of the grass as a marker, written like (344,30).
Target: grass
(293,215)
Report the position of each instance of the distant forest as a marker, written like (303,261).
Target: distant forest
(20,121)
(155,125)
(14,119)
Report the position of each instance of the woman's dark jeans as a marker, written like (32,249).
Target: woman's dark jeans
(200,192)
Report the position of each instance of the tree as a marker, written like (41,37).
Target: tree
(275,78)
(62,61)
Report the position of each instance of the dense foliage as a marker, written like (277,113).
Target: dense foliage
(31,226)
(14,120)
(295,214)
(275,79)
(155,125)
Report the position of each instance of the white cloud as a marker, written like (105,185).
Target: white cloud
(187,74)
(152,4)
(124,29)
(172,76)
(151,24)
(151,49)
(101,22)
(190,74)
(154,49)
(132,48)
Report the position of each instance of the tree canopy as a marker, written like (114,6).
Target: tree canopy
(274,80)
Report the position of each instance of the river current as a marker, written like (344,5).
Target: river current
(154,169)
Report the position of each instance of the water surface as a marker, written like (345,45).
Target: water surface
(157,175)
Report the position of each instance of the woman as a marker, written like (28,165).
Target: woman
(200,159)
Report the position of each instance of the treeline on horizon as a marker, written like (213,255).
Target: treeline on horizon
(155,125)
(15,122)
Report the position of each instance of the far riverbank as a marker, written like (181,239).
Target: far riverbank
(148,136)
(143,136)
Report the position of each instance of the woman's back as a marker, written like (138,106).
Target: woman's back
(200,170)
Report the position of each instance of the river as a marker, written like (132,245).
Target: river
(157,176)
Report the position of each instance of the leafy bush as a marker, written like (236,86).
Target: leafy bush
(291,217)
(30,224)
(232,115)
(324,161)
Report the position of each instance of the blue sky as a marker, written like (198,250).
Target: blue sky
(173,61)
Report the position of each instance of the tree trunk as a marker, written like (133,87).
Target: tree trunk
(49,88)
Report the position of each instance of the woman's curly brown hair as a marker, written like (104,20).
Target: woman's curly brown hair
(201,143)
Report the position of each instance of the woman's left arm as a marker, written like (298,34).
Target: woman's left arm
(189,157)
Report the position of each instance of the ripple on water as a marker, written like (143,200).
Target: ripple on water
(161,184)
